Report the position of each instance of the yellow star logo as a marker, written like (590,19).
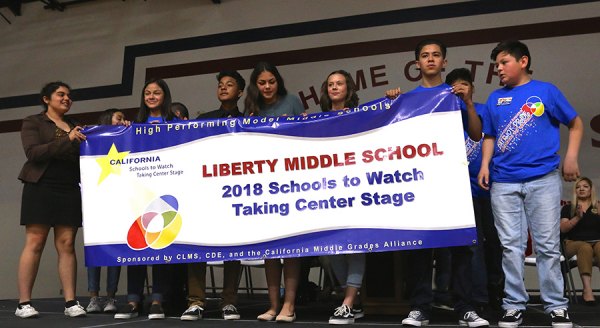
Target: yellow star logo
(105,162)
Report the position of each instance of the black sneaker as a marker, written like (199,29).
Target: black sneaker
(127,311)
(230,312)
(156,312)
(511,318)
(193,313)
(342,316)
(560,319)
(416,318)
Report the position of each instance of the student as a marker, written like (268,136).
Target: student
(520,167)
(487,254)
(51,195)
(111,116)
(155,103)
(267,95)
(338,92)
(430,58)
(155,108)
(180,111)
(230,88)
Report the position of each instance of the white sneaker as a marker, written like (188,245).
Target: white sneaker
(230,312)
(94,306)
(193,313)
(110,306)
(342,316)
(75,311)
(26,311)
(416,318)
(472,319)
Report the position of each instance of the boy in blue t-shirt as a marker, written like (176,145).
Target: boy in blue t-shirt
(430,56)
(521,143)
(487,254)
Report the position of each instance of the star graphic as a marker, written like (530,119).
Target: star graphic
(105,163)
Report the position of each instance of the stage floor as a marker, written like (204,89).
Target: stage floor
(312,314)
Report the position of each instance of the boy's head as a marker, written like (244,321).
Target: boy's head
(512,61)
(430,56)
(231,86)
(180,111)
(428,42)
(459,75)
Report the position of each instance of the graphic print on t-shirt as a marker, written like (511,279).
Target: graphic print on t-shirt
(517,126)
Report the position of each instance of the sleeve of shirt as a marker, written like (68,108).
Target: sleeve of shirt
(561,109)
(36,147)
(488,126)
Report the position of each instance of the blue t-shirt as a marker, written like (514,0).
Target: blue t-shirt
(474,157)
(155,120)
(525,122)
(160,120)
(289,105)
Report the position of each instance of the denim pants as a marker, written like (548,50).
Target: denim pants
(112,279)
(136,277)
(419,274)
(349,269)
(535,204)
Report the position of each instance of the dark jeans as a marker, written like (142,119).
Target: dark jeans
(490,246)
(419,274)
(136,277)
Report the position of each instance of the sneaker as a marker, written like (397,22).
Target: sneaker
(193,313)
(560,319)
(156,312)
(75,311)
(472,319)
(358,312)
(511,318)
(416,318)
(26,311)
(342,316)
(230,312)
(110,306)
(94,306)
(127,311)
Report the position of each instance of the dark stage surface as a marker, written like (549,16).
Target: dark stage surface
(311,314)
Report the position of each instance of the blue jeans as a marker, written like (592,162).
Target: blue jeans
(535,204)
(136,277)
(349,269)
(112,279)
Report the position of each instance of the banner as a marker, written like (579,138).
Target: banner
(388,175)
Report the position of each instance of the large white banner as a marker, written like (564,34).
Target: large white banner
(388,175)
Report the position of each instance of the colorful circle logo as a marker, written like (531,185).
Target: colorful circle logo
(534,106)
(157,227)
